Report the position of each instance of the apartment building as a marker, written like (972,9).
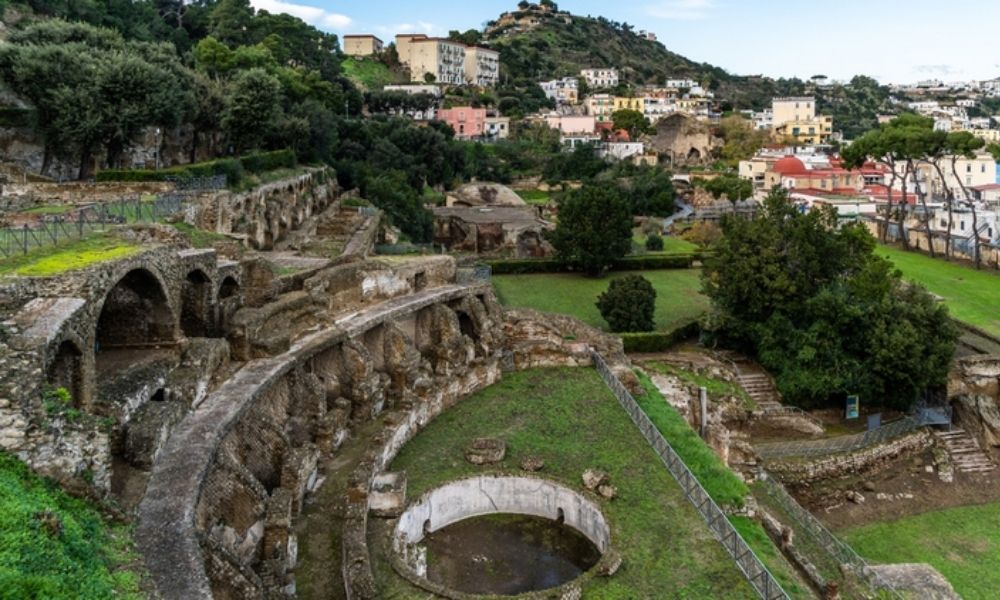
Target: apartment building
(625,103)
(563,91)
(600,106)
(449,62)
(796,117)
(362,45)
(971,173)
(497,128)
(482,66)
(600,78)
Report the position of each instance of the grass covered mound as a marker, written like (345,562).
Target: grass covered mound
(678,294)
(962,543)
(568,418)
(972,296)
(53,260)
(56,546)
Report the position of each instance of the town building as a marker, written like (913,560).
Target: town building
(362,45)
(647,35)
(467,122)
(497,128)
(627,103)
(415,89)
(447,62)
(563,91)
(600,78)
(571,124)
(971,173)
(601,106)
(679,84)
(482,66)
(795,117)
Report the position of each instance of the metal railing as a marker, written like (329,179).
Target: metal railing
(818,536)
(183,184)
(55,229)
(840,444)
(762,581)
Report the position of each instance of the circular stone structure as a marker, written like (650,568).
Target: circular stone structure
(466,500)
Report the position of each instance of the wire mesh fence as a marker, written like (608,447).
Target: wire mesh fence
(839,444)
(55,229)
(762,581)
(810,533)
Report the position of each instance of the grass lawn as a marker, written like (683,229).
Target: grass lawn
(678,294)
(569,418)
(56,546)
(962,543)
(49,209)
(534,196)
(671,244)
(972,296)
(368,72)
(52,260)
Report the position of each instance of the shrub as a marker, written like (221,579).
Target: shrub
(660,341)
(703,234)
(260,162)
(594,229)
(654,243)
(628,304)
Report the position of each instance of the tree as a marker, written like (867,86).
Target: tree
(742,141)
(733,187)
(253,108)
(231,20)
(822,312)
(629,304)
(654,243)
(594,229)
(632,121)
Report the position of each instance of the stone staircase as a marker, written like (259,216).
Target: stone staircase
(757,383)
(965,452)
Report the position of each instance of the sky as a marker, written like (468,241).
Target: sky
(895,41)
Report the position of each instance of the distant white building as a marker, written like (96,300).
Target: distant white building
(621,150)
(563,91)
(600,78)
(677,84)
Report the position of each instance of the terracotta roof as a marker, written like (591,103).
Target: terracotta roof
(789,165)
(989,187)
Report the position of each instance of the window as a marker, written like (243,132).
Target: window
(962,225)
(968,168)
(944,223)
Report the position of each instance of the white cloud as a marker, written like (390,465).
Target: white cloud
(418,27)
(310,14)
(681,10)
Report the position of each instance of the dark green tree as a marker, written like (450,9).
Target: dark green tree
(629,304)
(594,229)
(632,121)
(654,243)
(253,108)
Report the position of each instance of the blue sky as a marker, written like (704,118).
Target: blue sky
(893,40)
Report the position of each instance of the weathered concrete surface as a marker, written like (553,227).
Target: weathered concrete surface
(922,580)
(495,494)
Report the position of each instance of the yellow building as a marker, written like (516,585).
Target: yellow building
(795,117)
(623,103)
(992,136)
(440,58)
(362,45)
(482,66)
(808,132)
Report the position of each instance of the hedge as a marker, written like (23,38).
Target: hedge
(629,263)
(660,341)
(232,168)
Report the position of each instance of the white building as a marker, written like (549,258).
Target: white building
(677,84)
(482,66)
(621,150)
(497,128)
(563,91)
(600,78)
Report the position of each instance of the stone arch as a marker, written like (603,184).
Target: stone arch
(196,304)
(65,370)
(694,154)
(229,288)
(135,314)
(467,325)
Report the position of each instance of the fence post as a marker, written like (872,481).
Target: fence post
(25,240)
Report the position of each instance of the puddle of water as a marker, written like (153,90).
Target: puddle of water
(507,555)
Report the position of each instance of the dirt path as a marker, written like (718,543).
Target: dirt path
(319,528)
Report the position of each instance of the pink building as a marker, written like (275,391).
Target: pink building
(467,122)
(570,124)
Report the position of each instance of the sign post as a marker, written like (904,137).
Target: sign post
(853,409)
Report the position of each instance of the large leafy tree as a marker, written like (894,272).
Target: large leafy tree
(629,304)
(822,311)
(253,108)
(594,228)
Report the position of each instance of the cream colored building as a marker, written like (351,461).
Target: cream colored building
(992,136)
(482,66)
(600,78)
(362,45)
(796,117)
(972,172)
(600,106)
(625,103)
(450,62)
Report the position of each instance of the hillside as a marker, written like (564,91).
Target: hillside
(538,44)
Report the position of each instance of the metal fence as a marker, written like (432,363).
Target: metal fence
(844,443)
(55,229)
(752,568)
(817,536)
(184,184)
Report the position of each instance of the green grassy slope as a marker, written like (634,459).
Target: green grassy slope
(570,419)
(678,294)
(972,296)
(55,546)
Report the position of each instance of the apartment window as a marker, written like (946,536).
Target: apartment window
(962,225)
(944,223)
(982,168)
(968,168)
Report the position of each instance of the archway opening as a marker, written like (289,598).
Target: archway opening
(196,303)
(229,288)
(66,371)
(135,314)
(467,326)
